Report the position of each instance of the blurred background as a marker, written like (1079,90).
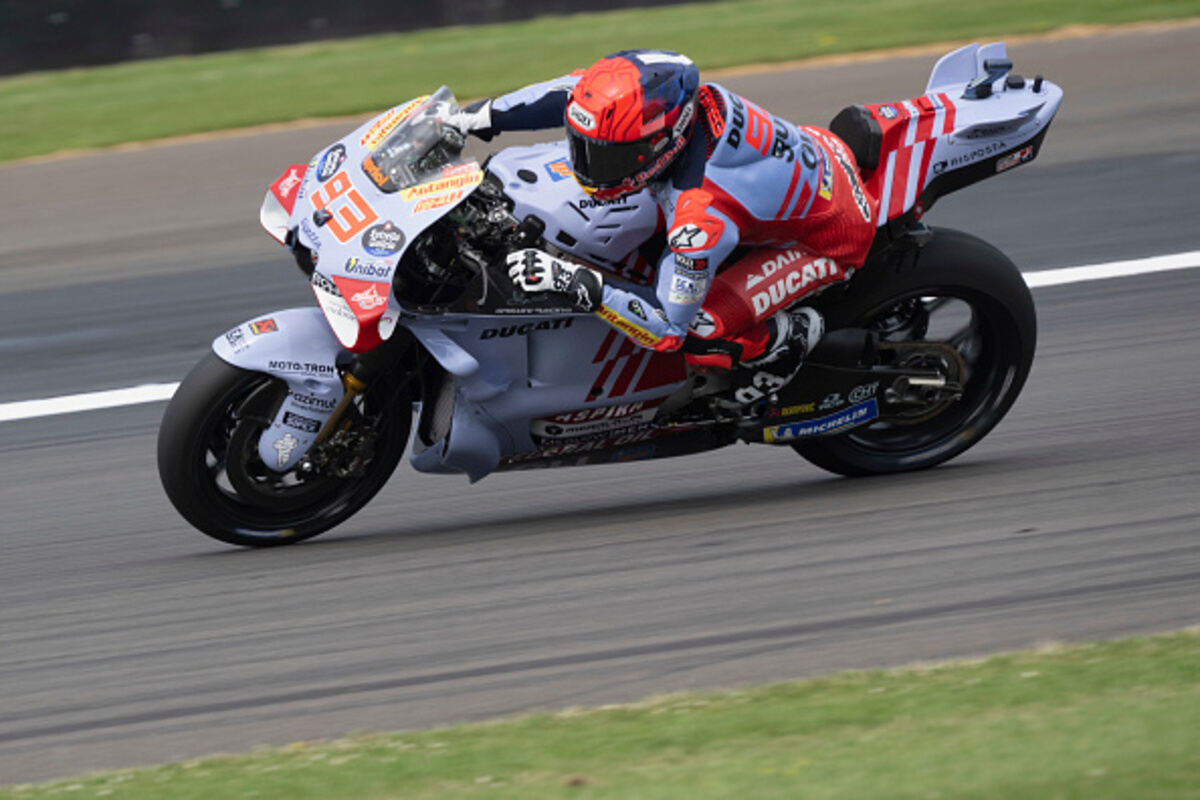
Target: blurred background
(51,34)
(136,142)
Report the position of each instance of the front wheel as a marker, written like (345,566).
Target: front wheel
(960,292)
(210,468)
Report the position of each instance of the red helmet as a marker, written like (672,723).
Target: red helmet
(629,118)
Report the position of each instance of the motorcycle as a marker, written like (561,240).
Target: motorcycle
(298,417)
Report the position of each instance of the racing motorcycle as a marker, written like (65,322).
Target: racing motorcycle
(299,416)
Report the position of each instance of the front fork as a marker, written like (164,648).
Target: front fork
(341,447)
(352,387)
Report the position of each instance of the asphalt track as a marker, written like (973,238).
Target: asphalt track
(127,638)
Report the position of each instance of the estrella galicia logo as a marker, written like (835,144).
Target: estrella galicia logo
(330,162)
(384,239)
(888,112)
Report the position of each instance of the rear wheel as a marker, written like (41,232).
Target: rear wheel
(210,468)
(971,305)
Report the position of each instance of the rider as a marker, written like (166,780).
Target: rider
(726,175)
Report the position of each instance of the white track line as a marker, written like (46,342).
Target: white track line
(1113,269)
(89,401)
(157,392)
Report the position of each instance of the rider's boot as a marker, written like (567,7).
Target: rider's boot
(792,335)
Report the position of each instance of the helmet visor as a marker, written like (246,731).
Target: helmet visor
(606,164)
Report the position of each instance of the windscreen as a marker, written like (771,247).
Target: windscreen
(419,148)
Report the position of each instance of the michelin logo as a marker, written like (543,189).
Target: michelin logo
(848,417)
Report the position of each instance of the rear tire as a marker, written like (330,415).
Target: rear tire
(207,446)
(953,271)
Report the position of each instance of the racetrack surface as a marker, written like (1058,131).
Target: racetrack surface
(129,638)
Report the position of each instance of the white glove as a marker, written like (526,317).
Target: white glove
(475,118)
(537,271)
(534,270)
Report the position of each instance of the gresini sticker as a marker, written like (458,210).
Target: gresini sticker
(286,185)
(846,418)
(369,299)
(290,181)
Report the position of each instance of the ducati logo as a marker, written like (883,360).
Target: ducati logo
(771,266)
(793,284)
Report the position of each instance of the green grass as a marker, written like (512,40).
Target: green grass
(83,108)
(1106,720)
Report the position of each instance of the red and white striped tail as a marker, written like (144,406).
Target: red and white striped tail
(910,129)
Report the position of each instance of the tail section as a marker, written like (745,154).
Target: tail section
(975,120)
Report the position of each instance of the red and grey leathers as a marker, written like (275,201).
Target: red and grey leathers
(787,201)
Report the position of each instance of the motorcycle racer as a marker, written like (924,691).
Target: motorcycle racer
(741,190)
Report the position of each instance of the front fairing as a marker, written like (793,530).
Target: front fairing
(360,202)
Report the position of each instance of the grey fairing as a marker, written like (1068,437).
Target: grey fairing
(302,352)
(475,441)
(531,367)
(599,231)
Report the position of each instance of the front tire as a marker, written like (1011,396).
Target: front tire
(993,326)
(210,469)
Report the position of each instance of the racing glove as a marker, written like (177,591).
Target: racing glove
(534,270)
(474,118)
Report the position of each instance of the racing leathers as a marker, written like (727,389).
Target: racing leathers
(760,210)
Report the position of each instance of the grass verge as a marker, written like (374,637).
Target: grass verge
(84,108)
(1104,720)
